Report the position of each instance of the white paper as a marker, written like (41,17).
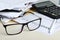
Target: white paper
(46,21)
(26,18)
(11,14)
(10,4)
(14,4)
(16,14)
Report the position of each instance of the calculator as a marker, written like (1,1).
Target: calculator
(47,8)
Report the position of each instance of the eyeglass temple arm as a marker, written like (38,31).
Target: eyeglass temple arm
(2,16)
(10,10)
(30,12)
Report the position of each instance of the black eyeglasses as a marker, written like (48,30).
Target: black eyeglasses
(16,28)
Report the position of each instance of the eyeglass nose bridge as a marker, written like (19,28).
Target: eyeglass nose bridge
(26,25)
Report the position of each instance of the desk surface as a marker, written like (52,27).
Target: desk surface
(28,35)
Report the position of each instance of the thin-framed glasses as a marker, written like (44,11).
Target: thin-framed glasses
(16,28)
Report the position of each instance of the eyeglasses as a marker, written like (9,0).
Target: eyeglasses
(16,28)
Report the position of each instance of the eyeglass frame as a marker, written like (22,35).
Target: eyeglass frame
(23,24)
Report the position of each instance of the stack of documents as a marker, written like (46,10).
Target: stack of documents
(16,5)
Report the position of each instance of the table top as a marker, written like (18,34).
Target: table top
(28,35)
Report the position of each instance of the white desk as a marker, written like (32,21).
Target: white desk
(27,35)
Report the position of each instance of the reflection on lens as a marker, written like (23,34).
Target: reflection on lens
(33,25)
(13,29)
